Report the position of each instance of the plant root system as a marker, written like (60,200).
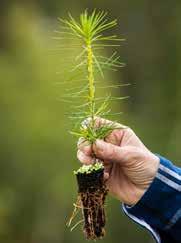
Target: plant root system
(92,193)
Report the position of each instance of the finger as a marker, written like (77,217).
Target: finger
(115,137)
(84,146)
(108,151)
(83,158)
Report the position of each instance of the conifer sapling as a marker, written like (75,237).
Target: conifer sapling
(88,32)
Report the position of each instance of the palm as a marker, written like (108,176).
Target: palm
(125,183)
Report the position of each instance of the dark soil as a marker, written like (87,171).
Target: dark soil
(92,192)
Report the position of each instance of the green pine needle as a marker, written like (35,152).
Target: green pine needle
(88,34)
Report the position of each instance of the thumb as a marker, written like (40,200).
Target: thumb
(108,151)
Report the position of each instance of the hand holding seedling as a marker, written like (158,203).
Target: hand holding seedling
(129,166)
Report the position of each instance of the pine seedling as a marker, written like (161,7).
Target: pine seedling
(89,66)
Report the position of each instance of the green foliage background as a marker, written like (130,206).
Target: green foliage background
(38,155)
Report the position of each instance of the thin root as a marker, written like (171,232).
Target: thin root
(79,222)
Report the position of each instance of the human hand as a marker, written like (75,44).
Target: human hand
(129,166)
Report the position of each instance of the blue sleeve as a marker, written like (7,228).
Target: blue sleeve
(159,210)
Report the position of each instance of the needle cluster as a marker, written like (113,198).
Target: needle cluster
(89,31)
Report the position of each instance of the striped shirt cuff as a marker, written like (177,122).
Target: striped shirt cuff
(160,205)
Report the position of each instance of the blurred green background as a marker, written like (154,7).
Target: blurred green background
(38,155)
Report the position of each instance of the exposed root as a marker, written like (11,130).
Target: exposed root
(75,212)
(94,214)
(79,222)
(91,198)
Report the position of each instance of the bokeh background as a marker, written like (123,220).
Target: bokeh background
(38,155)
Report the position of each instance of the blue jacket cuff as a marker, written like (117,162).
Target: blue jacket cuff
(159,204)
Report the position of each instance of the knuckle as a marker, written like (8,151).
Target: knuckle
(84,146)
(110,153)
